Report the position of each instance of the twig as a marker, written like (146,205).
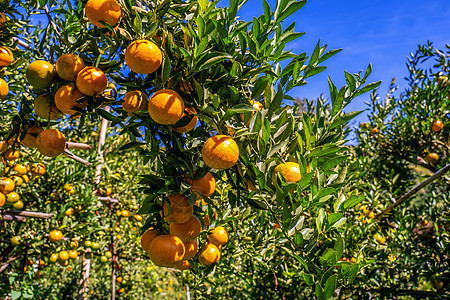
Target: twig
(80,146)
(25,213)
(21,43)
(13,218)
(414,190)
(106,199)
(101,143)
(69,154)
(55,28)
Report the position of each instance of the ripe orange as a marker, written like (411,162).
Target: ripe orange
(437,125)
(289,170)
(67,96)
(203,186)
(6,57)
(166,107)
(69,212)
(4,89)
(432,158)
(125,213)
(73,254)
(21,169)
(442,80)
(108,11)
(68,66)
(143,57)
(134,101)
(8,187)
(2,199)
(209,254)
(364,125)
(91,80)
(121,291)
(191,249)
(63,255)
(45,109)
(12,197)
(51,142)
(119,279)
(54,257)
(55,235)
(148,237)
(3,146)
(40,74)
(37,169)
(30,138)
(166,250)
(187,231)
(11,154)
(182,265)
(220,152)
(180,209)
(380,238)
(191,125)
(218,236)
(374,130)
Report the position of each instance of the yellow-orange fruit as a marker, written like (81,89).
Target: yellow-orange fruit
(203,186)
(108,11)
(55,236)
(220,152)
(180,209)
(191,249)
(67,97)
(30,138)
(38,169)
(40,74)
(187,231)
(9,187)
(6,57)
(289,170)
(11,154)
(166,250)
(4,88)
(134,101)
(166,107)
(68,66)
(2,199)
(432,158)
(91,80)
(209,254)
(51,142)
(182,265)
(45,109)
(218,236)
(192,123)
(143,57)
(437,125)
(148,237)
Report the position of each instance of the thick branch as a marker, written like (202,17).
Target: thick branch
(106,199)
(24,213)
(69,154)
(21,43)
(13,218)
(80,146)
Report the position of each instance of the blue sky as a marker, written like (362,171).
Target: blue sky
(379,32)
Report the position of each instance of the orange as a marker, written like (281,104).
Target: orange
(437,125)
(6,57)
(187,231)
(191,248)
(11,154)
(69,212)
(218,236)
(54,257)
(67,187)
(108,11)
(289,170)
(21,169)
(63,255)
(442,80)
(374,130)
(2,199)
(125,213)
(166,107)
(73,254)
(51,142)
(134,101)
(91,80)
(182,265)
(192,123)
(68,66)
(3,146)
(143,57)
(121,291)
(45,109)
(148,237)
(67,96)
(40,74)
(209,254)
(8,187)
(30,138)
(180,209)
(380,238)
(38,169)
(55,235)
(166,250)
(220,152)
(432,158)
(119,279)
(12,197)
(4,89)
(204,186)
(364,125)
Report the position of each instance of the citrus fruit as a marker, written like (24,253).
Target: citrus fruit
(12,197)
(67,97)
(166,250)
(108,11)
(63,255)
(166,107)
(374,130)
(437,125)
(191,249)
(432,158)
(203,186)
(180,209)
(69,212)
(209,254)
(134,101)
(54,257)
(73,254)
(192,123)
(103,259)
(51,142)
(4,89)
(148,237)
(218,236)
(289,170)
(95,245)
(18,205)
(68,66)
(108,254)
(182,265)
(220,152)
(15,240)
(379,238)
(45,109)
(6,57)
(119,279)
(8,187)
(187,231)
(55,235)
(30,138)
(11,154)
(91,80)
(364,125)
(125,213)
(2,199)
(143,57)
(37,169)
(3,146)
(40,74)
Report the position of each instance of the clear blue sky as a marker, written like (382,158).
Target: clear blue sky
(379,32)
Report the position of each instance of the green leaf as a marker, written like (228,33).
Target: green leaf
(328,258)
(339,246)
(314,71)
(329,164)
(137,23)
(351,82)
(291,8)
(367,88)
(165,74)
(276,102)
(308,278)
(211,59)
(330,286)
(344,119)
(328,55)
(352,201)
(131,145)
(260,86)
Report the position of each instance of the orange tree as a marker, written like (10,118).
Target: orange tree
(409,246)
(281,189)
